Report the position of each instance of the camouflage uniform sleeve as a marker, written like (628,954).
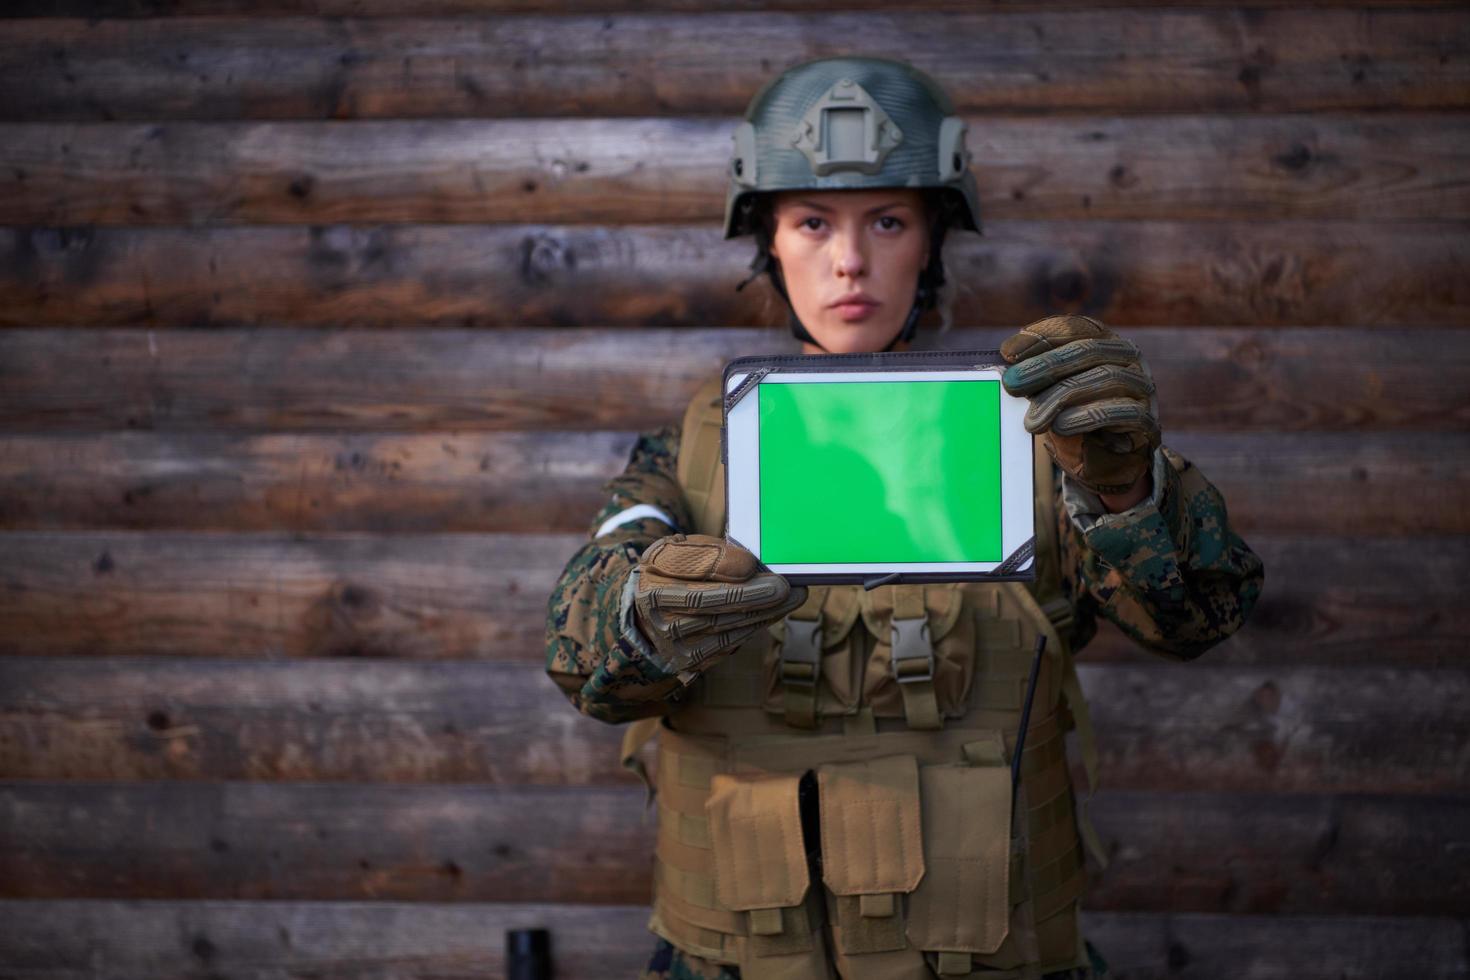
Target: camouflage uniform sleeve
(604,665)
(1170,572)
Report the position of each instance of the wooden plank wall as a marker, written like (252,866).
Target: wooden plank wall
(322,321)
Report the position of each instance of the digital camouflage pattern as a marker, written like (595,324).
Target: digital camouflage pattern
(668,962)
(587,655)
(1170,572)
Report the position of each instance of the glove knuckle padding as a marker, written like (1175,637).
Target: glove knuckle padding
(1110,413)
(1046,369)
(698,595)
(700,558)
(1103,381)
(1092,397)
(1049,333)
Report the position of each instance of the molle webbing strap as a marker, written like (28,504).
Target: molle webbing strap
(691,831)
(737,681)
(690,887)
(701,474)
(913,657)
(801,659)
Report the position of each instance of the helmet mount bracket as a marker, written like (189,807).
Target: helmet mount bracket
(846,129)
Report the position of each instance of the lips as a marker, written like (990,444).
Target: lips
(855,306)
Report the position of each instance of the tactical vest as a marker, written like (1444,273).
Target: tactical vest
(904,702)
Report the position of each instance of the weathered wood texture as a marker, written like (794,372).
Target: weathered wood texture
(1191,60)
(1184,852)
(1324,483)
(1342,600)
(63,939)
(273,583)
(440,8)
(293,380)
(1128,273)
(379,483)
(1160,726)
(377,940)
(1363,166)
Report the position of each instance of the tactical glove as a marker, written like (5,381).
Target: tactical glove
(1092,396)
(696,596)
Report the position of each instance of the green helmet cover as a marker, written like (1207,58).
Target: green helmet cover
(849,123)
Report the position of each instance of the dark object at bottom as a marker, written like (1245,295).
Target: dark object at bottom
(527,954)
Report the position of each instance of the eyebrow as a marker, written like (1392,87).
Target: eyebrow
(882,207)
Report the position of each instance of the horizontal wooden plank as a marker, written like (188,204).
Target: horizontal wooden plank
(1258,853)
(253,940)
(1325,483)
(442,8)
(409,380)
(443,482)
(1142,946)
(1281,728)
(450,596)
(1186,852)
(1364,166)
(655,64)
(1283,273)
(1320,483)
(278,594)
(1159,726)
(325,720)
(64,939)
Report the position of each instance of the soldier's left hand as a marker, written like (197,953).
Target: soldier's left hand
(1092,397)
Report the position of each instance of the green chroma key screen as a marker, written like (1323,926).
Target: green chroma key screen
(880,471)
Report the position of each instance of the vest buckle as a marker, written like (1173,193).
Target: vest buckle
(801,652)
(913,654)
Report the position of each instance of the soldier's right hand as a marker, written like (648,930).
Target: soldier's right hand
(697,596)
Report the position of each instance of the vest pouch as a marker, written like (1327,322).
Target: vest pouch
(811,671)
(922,660)
(760,863)
(963,905)
(872,854)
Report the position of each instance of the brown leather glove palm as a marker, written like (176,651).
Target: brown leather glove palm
(1092,396)
(698,596)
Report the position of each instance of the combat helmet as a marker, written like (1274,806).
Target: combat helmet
(851,123)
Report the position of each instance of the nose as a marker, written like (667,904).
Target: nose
(848,257)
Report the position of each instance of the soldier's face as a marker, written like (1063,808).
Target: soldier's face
(851,261)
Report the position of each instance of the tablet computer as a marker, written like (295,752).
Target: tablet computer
(879,468)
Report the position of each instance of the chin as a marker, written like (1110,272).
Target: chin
(846,338)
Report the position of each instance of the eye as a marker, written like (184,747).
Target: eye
(889,223)
(812,223)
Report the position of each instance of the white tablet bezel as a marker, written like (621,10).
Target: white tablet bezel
(742,472)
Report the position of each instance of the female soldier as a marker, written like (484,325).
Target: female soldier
(833,787)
